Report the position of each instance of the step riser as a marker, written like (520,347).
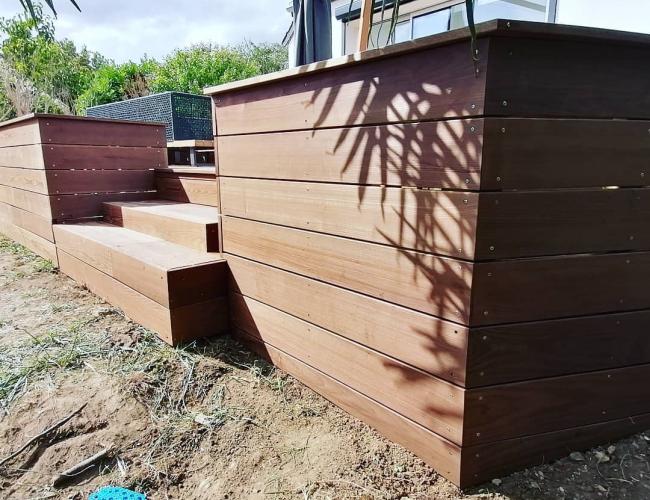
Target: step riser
(199,236)
(196,320)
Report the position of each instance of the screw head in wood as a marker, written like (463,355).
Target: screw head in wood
(491,248)
(503,130)
(504,103)
(472,129)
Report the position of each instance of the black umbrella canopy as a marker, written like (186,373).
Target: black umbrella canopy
(312,30)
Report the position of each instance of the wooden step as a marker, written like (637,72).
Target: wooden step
(188,224)
(177,292)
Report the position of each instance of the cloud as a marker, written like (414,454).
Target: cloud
(128,29)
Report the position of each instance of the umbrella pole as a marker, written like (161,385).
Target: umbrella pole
(366,20)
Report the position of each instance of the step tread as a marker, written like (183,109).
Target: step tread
(154,251)
(189,212)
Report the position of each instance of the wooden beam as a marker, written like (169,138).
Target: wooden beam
(366,21)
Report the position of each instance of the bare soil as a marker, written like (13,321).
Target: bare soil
(210,420)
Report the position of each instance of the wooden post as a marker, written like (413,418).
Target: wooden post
(366,21)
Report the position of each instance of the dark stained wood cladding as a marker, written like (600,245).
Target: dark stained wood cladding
(484,231)
(480,463)
(431,84)
(63,156)
(541,223)
(521,351)
(566,78)
(512,410)
(553,287)
(532,153)
(84,131)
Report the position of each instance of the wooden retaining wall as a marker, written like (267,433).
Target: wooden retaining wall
(456,254)
(56,169)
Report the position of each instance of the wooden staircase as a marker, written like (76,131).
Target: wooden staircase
(157,260)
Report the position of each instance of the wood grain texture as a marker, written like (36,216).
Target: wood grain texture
(180,324)
(26,179)
(82,131)
(428,221)
(33,223)
(202,190)
(35,243)
(444,154)
(433,449)
(193,226)
(556,287)
(433,403)
(431,84)
(21,133)
(83,206)
(431,284)
(25,156)
(538,223)
(531,153)
(512,410)
(525,351)
(425,342)
(170,274)
(29,201)
(481,463)
(74,156)
(523,74)
(99,181)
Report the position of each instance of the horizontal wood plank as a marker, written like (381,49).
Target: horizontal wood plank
(99,181)
(35,243)
(433,83)
(482,463)
(531,153)
(29,201)
(21,133)
(180,324)
(555,287)
(427,221)
(23,178)
(81,131)
(525,351)
(433,403)
(512,410)
(74,207)
(426,342)
(523,74)
(25,156)
(538,223)
(431,284)
(170,274)
(433,449)
(188,189)
(444,154)
(33,223)
(74,156)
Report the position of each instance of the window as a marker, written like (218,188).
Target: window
(431,23)
(486,10)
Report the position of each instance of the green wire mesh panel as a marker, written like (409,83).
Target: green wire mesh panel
(186,116)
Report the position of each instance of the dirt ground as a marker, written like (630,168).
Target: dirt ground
(210,420)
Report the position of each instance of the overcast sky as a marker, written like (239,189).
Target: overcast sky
(128,29)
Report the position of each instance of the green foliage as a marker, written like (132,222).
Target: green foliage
(56,70)
(116,82)
(39,73)
(193,69)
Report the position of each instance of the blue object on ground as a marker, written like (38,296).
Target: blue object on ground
(115,493)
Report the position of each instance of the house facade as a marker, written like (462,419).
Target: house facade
(419,18)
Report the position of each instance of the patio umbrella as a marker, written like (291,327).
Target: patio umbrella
(313,30)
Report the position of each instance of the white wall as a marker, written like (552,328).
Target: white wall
(626,15)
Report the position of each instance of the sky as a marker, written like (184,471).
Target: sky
(128,29)
(627,15)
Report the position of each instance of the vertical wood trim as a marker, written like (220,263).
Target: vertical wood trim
(366,21)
